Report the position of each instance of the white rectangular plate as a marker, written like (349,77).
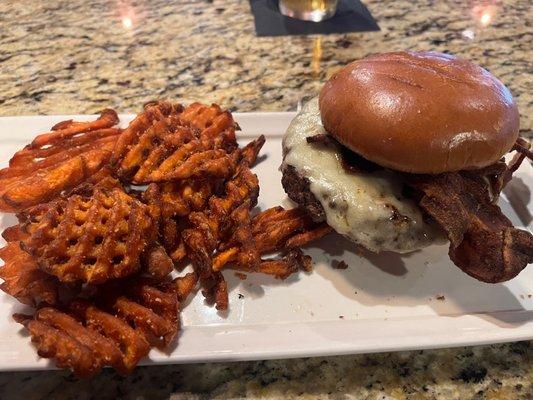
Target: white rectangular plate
(380,303)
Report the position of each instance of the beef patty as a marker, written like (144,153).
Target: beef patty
(297,188)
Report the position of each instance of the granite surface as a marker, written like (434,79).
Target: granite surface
(66,57)
(78,57)
(502,372)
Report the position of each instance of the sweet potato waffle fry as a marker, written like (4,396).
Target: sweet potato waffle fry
(225,235)
(208,227)
(169,143)
(276,228)
(94,255)
(114,324)
(156,262)
(21,274)
(272,230)
(92,236)
(174,201)
(116,327)
(57,161)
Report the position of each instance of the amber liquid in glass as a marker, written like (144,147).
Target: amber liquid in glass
(309,10)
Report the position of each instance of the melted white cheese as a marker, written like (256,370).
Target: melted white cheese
(369,207)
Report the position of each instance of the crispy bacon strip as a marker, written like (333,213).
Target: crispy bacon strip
(483,242)
(522,148)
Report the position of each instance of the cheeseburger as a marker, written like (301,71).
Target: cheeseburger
(403,150)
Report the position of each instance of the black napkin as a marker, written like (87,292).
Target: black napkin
(351,16)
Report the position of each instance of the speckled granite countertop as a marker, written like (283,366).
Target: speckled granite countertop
(487,372)
(78,57)
(67,57)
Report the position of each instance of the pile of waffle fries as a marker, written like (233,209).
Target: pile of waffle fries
(109,217)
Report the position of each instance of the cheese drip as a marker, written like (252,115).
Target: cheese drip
(366,207)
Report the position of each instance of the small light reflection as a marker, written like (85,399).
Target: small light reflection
(484,14)
(127,22)
(317,56)
(485,19)
(128,14)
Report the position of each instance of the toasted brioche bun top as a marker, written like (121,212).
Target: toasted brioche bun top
(420,112)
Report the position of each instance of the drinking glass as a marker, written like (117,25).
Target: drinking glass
(308,10)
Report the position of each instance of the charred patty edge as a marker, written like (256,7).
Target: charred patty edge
(298,189)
